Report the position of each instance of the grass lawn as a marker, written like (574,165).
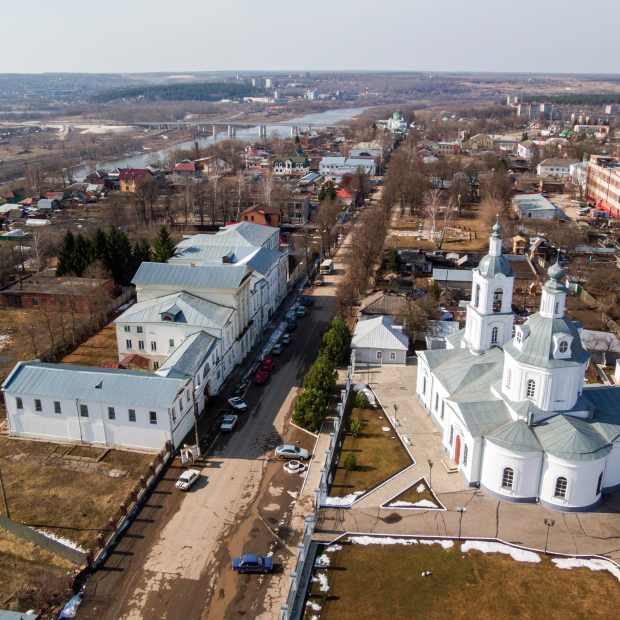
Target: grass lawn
(78,496)
(419,491)
(379,454)
(384,582)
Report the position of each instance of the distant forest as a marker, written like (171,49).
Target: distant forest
(195,91)
(576,98)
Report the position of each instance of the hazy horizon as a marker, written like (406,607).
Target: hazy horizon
(399,35)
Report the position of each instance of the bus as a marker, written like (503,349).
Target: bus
(327,267)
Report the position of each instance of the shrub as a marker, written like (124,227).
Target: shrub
(355,427)
(360,401)
(350,462)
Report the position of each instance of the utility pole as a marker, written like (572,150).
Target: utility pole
(4,500)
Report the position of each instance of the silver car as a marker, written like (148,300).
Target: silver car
(289,451)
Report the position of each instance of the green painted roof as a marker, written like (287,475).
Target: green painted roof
(482,417)
(515,435)
(490,266)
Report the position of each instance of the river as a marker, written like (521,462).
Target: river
(318,119)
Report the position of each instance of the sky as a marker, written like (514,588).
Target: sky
(206,35)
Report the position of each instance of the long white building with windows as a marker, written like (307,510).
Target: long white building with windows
(516,416)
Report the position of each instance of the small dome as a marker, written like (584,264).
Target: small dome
(496,231)
(491,266)
(555,280)
(555,272)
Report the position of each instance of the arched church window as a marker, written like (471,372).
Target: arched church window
(508,477)
(561,485)
(494,335)
(424,385)
(563,346)
(477,296)
(451,434)
(465,455)
(599,484)
(498,295)
(531,388)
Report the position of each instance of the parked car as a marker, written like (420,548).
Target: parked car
(228,423)
(187,479)
(261,377)
(291,325)
(238,404)
(290,451)
(267,364)
(300,311)
(276,349)
(285,339)
(252,563)
(240,389)
(307,300)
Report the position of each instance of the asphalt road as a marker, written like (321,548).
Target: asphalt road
(174,560)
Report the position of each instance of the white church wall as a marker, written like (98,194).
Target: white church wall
(525,467)
(581,477)
(612,469)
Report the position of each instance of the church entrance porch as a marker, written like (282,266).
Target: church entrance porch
(457,450)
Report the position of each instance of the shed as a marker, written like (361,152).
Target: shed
(378,341)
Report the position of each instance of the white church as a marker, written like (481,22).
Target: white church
(515,415)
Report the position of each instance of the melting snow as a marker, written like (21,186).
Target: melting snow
(5,340)
(386,429)
(420,488)
(333,548)
(342,502)
(321,579)
(485,546)
(322,561)
(422,503)
(386,540)
(63,541)
(313,606)
(592,564)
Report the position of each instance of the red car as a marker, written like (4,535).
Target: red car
(261,377)
(267,364)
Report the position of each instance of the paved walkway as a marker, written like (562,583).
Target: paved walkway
(596,532)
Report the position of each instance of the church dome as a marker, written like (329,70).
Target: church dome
(491,266)
(555,281)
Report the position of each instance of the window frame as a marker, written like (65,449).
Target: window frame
(19,402)
(84,410)
(530,389)
(111,413)
(560,488)
(153,417)
(508,478)
(38,405)
(131,415)
(57,407)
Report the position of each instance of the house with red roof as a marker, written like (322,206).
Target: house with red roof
(130,179)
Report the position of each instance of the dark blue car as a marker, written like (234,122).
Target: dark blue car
(252,563)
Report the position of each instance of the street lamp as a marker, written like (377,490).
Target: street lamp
(460,510)
(395,414)
(549,523)
(430,473)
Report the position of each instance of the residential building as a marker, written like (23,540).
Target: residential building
(447,148)
(102,406)
(535,207)
(600,132)
(515,415)
(578,174)
(130,179)
(603,183)
(265,216)
(555,167)
(295,165)
(335,167)
(377,341)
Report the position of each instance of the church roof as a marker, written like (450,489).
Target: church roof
(482,417)
(490,266)
(537,347)
(605,401)
(571,438)
(515,435)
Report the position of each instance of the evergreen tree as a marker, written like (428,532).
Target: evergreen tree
(311,409)
(119,258)
(336,343)
(66,255)
(141,252)
(82,255)
(100,244)
(163,246)
(321,376)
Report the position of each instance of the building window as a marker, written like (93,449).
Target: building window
(519,337)
(508,477)
(451,434)
(19,403)
(155,365)
(477,295)
(465,454)
(111,413)
(424,385)
(132,415)
(379,354)
(561,485)
(153,417)
(139,329)
(599,484)
(498,295)
(153,345)
(171,342)
(392,356)
(57,408)
(141,345)
(84,411)
(436,401)
(494,335)
(128,344)
(531,388)
(563,346)
(37,405)
(187,395)
(443,408)
(127,328)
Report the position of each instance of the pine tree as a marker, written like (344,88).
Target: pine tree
(66,255)
(119,258)
(100,244)
(163,246)
(83,255)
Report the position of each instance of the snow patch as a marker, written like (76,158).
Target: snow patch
(387,540)
(422,503)
(293,494)
(333,548)
(386,429)
(342,502)
(321,579)
(322,561)
(485,546)
(420,488)
(592,564)
(5,341)
(63,541)
(313,606)
(71,607)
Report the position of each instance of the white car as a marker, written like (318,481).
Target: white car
(187,479)
(289,451)
(228,422)
(238,404)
